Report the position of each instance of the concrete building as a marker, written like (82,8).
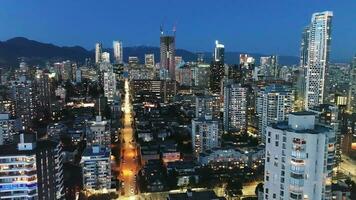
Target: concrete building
(23,95)
(105,57)
(99,132)
(31,170)
(205,134)
(235,107)
(98,51)
(149,60)
(299,159)
(275,102)
(109,80)
(8,128)
(118,52)
(96,168)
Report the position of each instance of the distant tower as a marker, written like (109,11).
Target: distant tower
(167,50)
(217,68)
(219,52)
(317,61)
(98,51)
(149,60)
(118,53)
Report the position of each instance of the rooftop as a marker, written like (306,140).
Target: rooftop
(195,195)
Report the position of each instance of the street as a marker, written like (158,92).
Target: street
(347,166)
(129,163)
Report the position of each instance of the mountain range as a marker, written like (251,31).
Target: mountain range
(34,52)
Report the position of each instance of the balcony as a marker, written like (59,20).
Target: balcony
(299,154)
(297,169)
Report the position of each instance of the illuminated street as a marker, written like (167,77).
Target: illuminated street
(129,164)
(347,166)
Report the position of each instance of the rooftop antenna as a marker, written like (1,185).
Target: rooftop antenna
(161,29)
(174,29)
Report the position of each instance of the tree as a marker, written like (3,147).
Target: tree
(172,179)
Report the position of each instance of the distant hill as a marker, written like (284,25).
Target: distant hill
(35,52)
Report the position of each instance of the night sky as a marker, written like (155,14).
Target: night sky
(260,26)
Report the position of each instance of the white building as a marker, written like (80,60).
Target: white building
(149,60)
(118,52)
(99,132)
(109,85)
(205,134)
(105,57)
(299,159)
(317,61)
(96,168)
(235,107)
(98,51)
(275,102)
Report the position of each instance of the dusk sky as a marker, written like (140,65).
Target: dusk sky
(273,26)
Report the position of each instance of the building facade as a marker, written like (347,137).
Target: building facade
(317,61)
(299,159)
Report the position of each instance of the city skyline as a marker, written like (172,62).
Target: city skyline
(160,122)
(252,28)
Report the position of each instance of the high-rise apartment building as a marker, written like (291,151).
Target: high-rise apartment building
(235,107)
(98,52)
(299,159)
(96,168)
(275,102)
(149,60)
(23,95)
(167,52)
(207,106)
(118,52)
(317,45)
(109,81)
(205,134)
(105,57)
(8,128)
(31,170)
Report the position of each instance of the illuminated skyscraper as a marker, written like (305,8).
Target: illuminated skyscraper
(118,52)
(219,52)
(217,68)
(167,51)
(149,60)
(98,51)
(317,61)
